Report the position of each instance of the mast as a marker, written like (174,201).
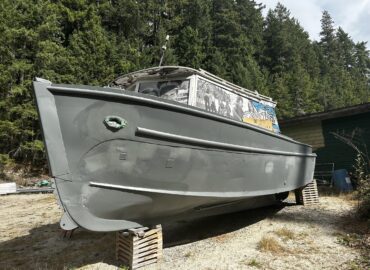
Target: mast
(163,49)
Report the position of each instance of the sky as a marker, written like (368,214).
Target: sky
(353,16)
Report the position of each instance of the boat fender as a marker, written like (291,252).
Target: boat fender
(113,122)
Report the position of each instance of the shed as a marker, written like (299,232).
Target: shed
(321,130)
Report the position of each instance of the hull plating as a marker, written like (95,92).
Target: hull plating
(169,161)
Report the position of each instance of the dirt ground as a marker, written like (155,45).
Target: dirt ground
(289,236)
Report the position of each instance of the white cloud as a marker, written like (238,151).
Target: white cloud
(353,16)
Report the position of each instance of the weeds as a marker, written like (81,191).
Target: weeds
(363,185)
(270,244)
(349,239)
(361,175)
(188,254)
(360,242)
(285,233)
(254,263)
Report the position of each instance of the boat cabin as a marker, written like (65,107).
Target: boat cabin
(203,90)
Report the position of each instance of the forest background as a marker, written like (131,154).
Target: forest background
(94,41)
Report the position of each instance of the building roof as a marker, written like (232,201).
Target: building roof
(346,111)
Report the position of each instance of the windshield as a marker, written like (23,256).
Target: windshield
(176,90)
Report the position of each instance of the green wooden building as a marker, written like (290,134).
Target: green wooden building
(321,130)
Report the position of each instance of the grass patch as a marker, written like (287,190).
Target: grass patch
(360,242)
(359,263)
(47,199)
(188,254)
(285,233)
(353,240)
(270,244)
(347,196)
(254,263)
(302,235)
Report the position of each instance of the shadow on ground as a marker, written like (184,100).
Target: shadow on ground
(45,248)
(188,231)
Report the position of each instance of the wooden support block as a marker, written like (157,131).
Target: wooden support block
(139,247)
(308,195)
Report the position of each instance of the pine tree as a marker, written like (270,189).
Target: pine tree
(233,51)
(346,49)
(343,85)
(329,61)
(289,54)
(327,34)
(189,48)
(281,94)
(92,42)
(91,52)
(361,72)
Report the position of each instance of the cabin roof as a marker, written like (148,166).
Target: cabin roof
(169,72)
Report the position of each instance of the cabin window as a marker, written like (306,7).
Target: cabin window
(176,90)
(216,99)
(132,87)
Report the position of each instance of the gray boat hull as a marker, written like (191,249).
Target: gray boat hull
(169,161)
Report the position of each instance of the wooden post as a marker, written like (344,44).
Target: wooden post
(307,195)
(139,247)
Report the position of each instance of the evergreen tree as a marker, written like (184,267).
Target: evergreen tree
(189,48)
(361,72)
(92,42)
(289,54)
(329,61)
(91,52)
(342,85)
(281,94)
(233,51)
(193,41)
(327,34)
(346,49)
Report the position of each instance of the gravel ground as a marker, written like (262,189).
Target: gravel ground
(304,238)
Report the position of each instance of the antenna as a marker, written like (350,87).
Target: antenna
(163,49)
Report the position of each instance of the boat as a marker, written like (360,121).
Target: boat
(164,143)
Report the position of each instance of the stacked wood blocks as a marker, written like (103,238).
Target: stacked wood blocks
(307,195)
(139,247)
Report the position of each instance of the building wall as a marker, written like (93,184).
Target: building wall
(337,151)
(328,148)
(310,133)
